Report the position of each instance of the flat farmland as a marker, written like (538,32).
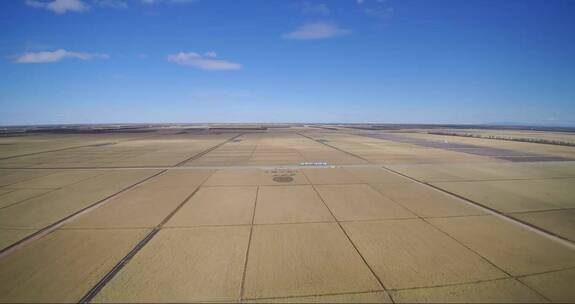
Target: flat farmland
(290,213)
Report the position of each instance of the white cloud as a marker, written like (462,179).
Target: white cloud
(111,3)
(55,56)
(166,1)
(379,12)
(317,30)
(378,8)
(206,61)
(315,9)
(59,6)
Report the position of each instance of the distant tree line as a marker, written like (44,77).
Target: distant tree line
(498,137)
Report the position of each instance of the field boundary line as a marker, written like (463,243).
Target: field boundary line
(336,148)
(244,273)
(78,147)
(89,296)
(200,154)
(56,150)
(353,245)
(52,227)
(538,230)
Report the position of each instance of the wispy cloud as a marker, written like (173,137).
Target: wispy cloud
(376,8)
(317,30)
(111,3)
(379,12)
(315,9)
(59,6)
(65,6)
(166,1)
(207,61)
(55,56)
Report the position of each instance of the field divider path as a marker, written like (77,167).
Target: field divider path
(87,298)
(263,167)
(266,167)
(425,220)
(52,227)
(527,226)
(77,147)
(48,191)
(242,286)
(364,260)
(335,148)
(543,232)
(58,150)
(198,155)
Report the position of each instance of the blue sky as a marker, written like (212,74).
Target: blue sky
(395,61)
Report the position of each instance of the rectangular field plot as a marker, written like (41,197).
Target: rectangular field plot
(290,204)
(559,222)
(364,297)
(512,248)
(426,201)
(10,177)
(375,175)
(57,180)
(360,202)
(486,171)
(64,265)
(5,190)
(147,204)
(498,291)
(232,205)
(11,236)
(48,208)
(411,253)
(254,177)
(330,176)
(288,260)
(556,286)
(183,265)
(16,196)
(510,196)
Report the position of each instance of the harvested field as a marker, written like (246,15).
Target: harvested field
(282,214)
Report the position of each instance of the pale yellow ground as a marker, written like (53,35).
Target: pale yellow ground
(304,259)
(64,265)
(241,221)
(560,222)
(183,265)
(498,291)
(44,210)
(516,250)
(233,205)
(412,253)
